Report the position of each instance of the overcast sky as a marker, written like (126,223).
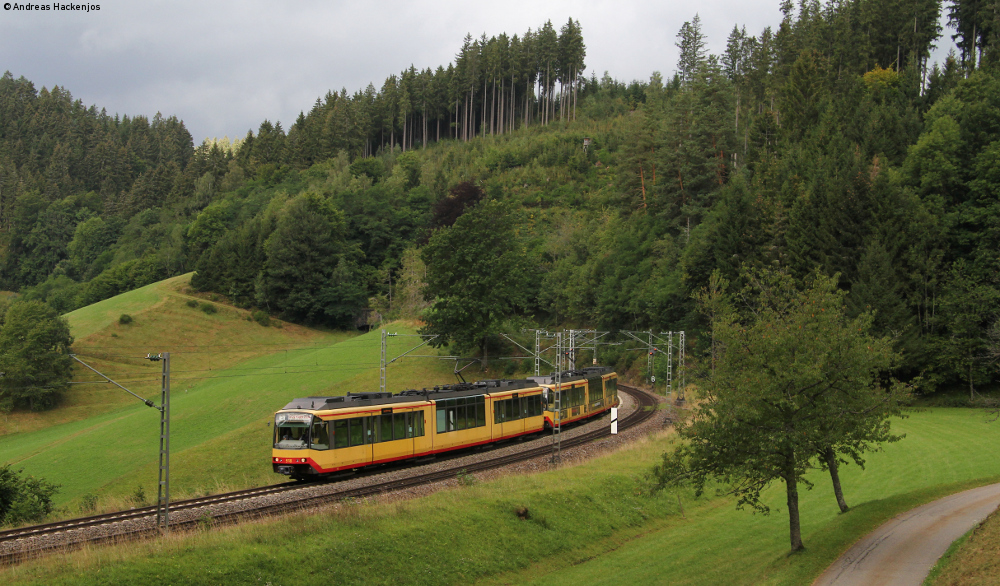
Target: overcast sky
(225,66)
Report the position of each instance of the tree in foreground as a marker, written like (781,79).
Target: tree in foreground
(24,498)
(791,378)
(478,276)
(34,356)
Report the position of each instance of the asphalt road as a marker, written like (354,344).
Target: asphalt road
(902,551)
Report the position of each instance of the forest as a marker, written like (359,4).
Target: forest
(827,142)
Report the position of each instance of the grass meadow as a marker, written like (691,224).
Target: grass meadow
(591,523)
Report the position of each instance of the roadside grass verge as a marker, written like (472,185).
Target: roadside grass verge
(593,523)
(972,560)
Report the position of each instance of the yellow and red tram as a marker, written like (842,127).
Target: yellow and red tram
(322,435)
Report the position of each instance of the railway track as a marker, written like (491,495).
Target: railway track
(645,405)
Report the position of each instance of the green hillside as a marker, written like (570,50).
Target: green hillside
(91,319)
(162,322)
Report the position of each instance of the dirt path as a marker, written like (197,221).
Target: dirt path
(902,551)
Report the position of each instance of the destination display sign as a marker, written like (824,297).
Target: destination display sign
(281,418)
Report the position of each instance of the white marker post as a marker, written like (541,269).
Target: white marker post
(614,421)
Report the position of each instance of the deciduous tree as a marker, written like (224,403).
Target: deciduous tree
(34,356)
(793,377)
(478,276)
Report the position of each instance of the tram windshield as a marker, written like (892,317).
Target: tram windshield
(291,430)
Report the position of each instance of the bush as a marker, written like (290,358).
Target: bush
(88,503)
(192,303)
(262,318)
(209,308)
(138,497)
(465,479)
(125,319)
(24,499)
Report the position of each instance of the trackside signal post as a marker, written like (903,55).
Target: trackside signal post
(557,424)
(650,342)
(163,490)
(163,485)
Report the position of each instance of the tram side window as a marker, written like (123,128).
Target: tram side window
(595,389)
(571,397)
(441,417)
(320,438)
(384,427)
(461,413)
(340,433)
(399,426)
(357,431)
(520,408)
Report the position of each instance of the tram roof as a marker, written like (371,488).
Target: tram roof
(351,400)
(569,376)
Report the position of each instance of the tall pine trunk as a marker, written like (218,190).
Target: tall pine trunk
(483,123)
(513,102)
(548,96)
(831,463)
